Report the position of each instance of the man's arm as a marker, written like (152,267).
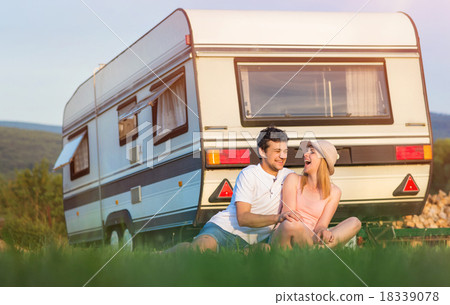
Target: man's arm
(247,219)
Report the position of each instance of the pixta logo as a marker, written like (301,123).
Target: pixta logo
(142,150)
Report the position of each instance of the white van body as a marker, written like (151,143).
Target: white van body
(353,79)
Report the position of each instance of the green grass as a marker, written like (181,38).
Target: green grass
(73,266)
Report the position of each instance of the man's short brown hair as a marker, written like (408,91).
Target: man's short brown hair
(270,133)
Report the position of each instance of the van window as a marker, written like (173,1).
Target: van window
(79,166)
(170,111)
(128,125)
(325,92)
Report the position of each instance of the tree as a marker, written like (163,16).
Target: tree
(441,166)
(32,206)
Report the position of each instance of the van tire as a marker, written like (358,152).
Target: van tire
(119,236)
(114,238)
(127,240)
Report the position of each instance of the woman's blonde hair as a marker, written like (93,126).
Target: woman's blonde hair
(323,179)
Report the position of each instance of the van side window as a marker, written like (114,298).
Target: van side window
(79,166)
(169,111)
(128,122)
(314,92)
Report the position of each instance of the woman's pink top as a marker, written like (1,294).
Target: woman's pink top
(309,209)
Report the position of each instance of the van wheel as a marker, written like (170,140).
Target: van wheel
(114,238)
(127,240)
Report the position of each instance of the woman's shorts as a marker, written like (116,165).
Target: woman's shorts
(223,238)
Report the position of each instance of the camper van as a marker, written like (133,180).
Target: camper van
(155,138)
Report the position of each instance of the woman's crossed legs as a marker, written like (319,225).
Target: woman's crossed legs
(297,233)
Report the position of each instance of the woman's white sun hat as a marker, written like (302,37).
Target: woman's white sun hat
(325,149)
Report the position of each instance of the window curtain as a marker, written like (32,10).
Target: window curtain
(245,83)
(127,127)
(81,157)
(171,109)
(362,91)
(128,124)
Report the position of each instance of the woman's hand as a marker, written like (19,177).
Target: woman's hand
(326,236)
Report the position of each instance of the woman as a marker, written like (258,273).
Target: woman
(314,199)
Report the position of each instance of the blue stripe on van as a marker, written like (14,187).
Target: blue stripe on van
(86,236)
(168,220)
(143,178)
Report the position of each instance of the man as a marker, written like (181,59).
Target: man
(255,203)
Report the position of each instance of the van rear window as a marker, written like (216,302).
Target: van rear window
(324,92)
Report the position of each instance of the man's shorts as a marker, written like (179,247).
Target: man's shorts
(223,238)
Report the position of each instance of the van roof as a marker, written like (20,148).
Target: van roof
(237,29)
(293,28)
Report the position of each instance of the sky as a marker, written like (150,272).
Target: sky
(49,47)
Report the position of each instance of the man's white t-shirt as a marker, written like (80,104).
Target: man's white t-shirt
(263,191)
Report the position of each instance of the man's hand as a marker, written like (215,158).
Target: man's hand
(289,216)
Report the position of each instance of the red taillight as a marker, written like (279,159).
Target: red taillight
(228,156)
(415,152)
(409,152)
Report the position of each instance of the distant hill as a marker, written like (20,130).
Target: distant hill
(32,126)
(439,121)
(21,148)
(24,144)
(441,125)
